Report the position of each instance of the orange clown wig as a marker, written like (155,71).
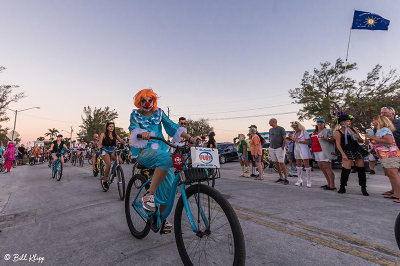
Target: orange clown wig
(144,94)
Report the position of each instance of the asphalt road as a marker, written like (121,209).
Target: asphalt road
(73,222)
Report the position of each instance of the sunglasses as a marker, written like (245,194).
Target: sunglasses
(182,123)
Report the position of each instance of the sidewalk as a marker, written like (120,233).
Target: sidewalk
(376,184)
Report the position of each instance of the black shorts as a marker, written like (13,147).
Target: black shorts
(249,156)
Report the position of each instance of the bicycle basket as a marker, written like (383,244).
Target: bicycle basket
(193,174)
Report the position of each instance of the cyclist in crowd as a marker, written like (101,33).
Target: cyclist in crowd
(74,149)
(107,143)
(56,147)
(149,120)
(81,150)
(94,147)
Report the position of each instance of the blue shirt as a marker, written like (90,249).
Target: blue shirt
(153,124)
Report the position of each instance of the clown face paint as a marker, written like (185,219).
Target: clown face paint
(146,104)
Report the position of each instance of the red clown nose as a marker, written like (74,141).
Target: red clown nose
(147,105)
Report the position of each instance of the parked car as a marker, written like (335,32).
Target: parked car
(227,152)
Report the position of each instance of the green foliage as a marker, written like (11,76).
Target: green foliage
(40,139)
(328,88)
(199,127)
(51,133)
(121,132)
(7,97)
(3,135)
(321,91)
(376,91)
(94,120)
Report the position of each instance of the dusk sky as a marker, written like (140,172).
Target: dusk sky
(204,59)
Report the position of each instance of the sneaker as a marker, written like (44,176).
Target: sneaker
(286,182)
(148,202)
(253,175)
(168,226)
(372,172)
(279,180)
(105,185)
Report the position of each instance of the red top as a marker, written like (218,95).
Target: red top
(315,145)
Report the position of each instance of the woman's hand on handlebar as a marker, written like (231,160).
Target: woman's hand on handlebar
(146,136)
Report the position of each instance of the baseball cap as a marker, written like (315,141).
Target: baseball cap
(321,120)
(59,135)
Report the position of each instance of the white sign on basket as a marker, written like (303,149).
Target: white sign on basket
(204,157)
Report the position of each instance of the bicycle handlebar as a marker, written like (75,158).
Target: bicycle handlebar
(139,136)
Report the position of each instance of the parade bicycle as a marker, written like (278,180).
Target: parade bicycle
(74,157)
(99,167)
(116,171)
(81,158)
(57,167)
(208,232)
(397,230)
(267,160)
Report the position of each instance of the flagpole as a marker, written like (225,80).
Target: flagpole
(347,53)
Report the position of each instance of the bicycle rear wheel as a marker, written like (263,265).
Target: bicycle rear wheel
(397,230)
(59,172)
(121,182)
(138,225)
(89,160)
(221,242)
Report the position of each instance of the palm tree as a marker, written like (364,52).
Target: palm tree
(52,133)
(40,139)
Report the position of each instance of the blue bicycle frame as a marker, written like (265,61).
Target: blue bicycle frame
(138,206)
(58,160)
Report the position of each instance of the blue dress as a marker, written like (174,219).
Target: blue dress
(154,153)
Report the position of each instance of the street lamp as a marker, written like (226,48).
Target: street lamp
(15,119)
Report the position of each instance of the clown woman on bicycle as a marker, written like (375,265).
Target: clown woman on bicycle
(148,121)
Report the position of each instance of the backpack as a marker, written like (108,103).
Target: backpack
(262,140)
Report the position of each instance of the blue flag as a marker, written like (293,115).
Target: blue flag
(369,21)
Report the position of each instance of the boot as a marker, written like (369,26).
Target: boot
(308,173)
(362,180)
(344,177)
(299,173)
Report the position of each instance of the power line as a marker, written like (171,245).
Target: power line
(249,116)
(241,110)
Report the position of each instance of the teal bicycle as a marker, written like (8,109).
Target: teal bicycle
(57,168)
(207,230)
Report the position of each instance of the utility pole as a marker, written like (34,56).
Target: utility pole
(70,136)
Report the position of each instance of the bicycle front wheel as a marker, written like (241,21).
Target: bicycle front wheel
(59,172)
(137,224)
(121,182)
(397,230)
(81,161)
(219,238)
